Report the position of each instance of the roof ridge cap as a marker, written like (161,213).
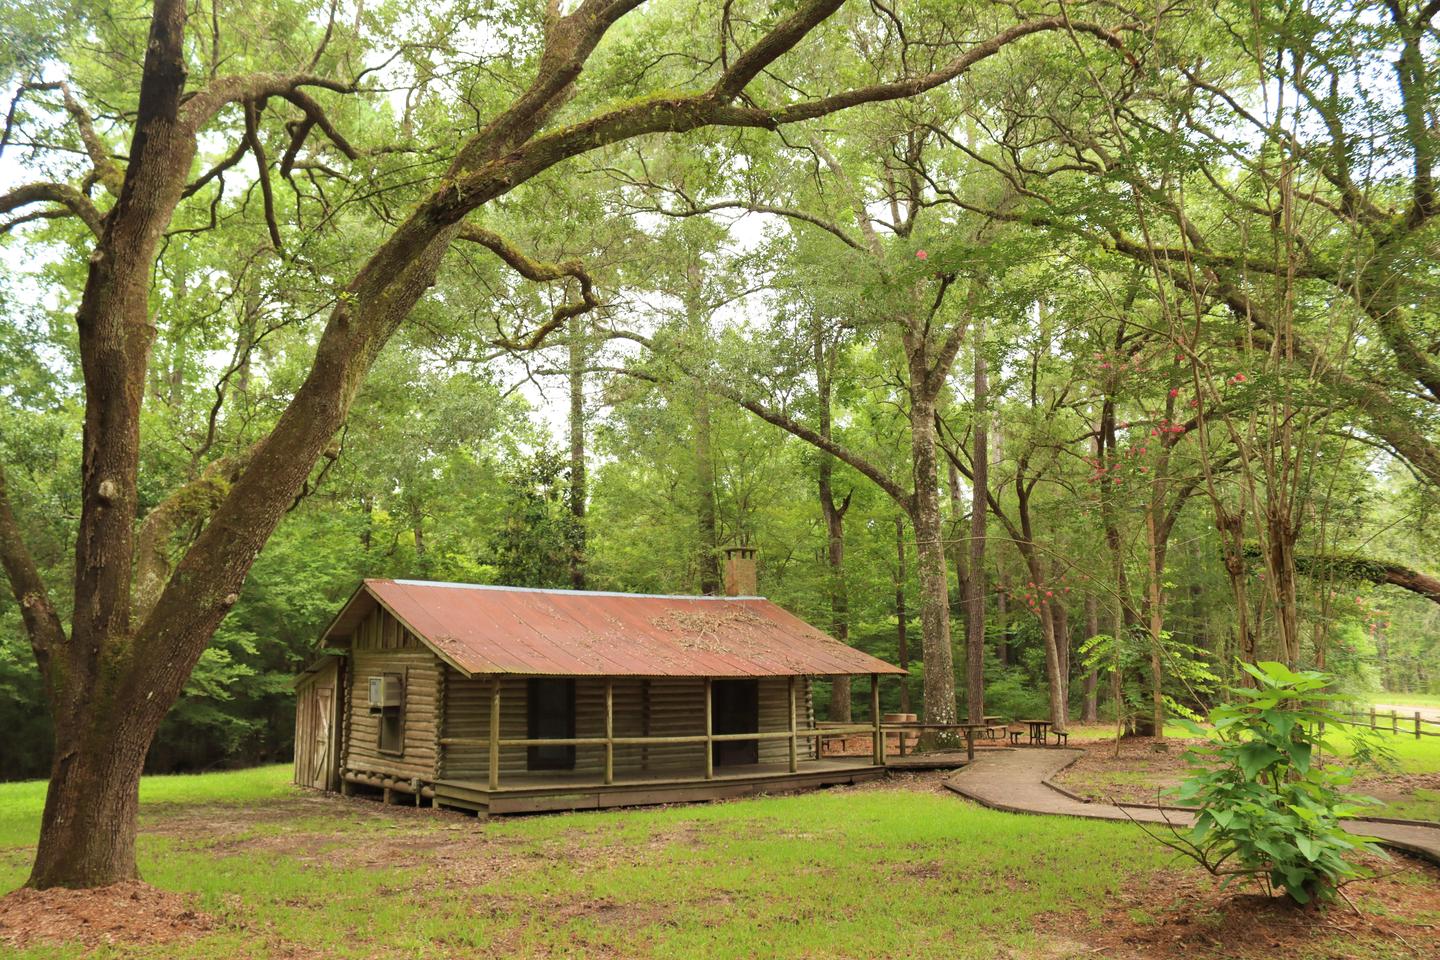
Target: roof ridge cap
(504,588)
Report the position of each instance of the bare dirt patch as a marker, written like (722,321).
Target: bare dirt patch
(1196,920)
(358,834)
(131,913)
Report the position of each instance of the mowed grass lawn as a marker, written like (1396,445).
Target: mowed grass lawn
(1408,754)
(1405,699)
(874,872)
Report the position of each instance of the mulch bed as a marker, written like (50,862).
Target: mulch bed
(1185,914)
(122,913)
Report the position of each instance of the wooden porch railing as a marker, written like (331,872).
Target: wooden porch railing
(495,742)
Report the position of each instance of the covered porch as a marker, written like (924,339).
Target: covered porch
(708,760)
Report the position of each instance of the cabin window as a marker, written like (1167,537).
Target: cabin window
(392,717)
(552,717)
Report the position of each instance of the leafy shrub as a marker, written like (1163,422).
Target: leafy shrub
(1265,809)
(1188,676)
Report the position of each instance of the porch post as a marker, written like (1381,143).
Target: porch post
(794,745)
(609,730)
(709,733)
(495,733)
(879,735)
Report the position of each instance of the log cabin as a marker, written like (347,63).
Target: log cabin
(510,700)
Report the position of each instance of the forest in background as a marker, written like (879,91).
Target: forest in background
(1165,307)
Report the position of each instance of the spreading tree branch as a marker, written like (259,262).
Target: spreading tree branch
(790,425)
(42,623)
(541,272)
(67,196)
(1364,569)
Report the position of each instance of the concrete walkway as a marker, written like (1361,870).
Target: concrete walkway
(1018,781)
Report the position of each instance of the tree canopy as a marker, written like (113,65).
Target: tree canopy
(1065,353)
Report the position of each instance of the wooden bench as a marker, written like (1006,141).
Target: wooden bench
(1062,737)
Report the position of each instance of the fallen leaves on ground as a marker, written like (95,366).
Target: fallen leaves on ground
(121,913)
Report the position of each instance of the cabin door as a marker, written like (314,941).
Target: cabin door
(735,706)
(316,728)
(552,717)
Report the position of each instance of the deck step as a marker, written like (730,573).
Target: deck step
(536,798)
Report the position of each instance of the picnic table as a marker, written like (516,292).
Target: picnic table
(970,729)
(1039,730)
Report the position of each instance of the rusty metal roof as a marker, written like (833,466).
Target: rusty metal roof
(485,629)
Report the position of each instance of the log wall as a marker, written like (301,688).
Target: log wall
(381,645)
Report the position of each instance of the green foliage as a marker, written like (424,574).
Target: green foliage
(1189,677)
(1267,808)
(1012,691)
(540,534)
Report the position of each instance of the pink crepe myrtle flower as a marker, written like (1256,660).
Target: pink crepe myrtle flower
(921,255)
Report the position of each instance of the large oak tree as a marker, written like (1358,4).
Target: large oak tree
(114,670)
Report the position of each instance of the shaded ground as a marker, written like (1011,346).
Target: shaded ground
(1193,919)
(900,868)
(897,869)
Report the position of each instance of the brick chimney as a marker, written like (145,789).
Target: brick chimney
(740,572)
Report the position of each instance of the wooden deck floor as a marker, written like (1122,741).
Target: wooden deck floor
(559,790)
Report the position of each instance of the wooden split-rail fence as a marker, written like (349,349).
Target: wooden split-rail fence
(1392,721)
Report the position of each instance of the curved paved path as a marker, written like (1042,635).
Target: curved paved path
(1017,781)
